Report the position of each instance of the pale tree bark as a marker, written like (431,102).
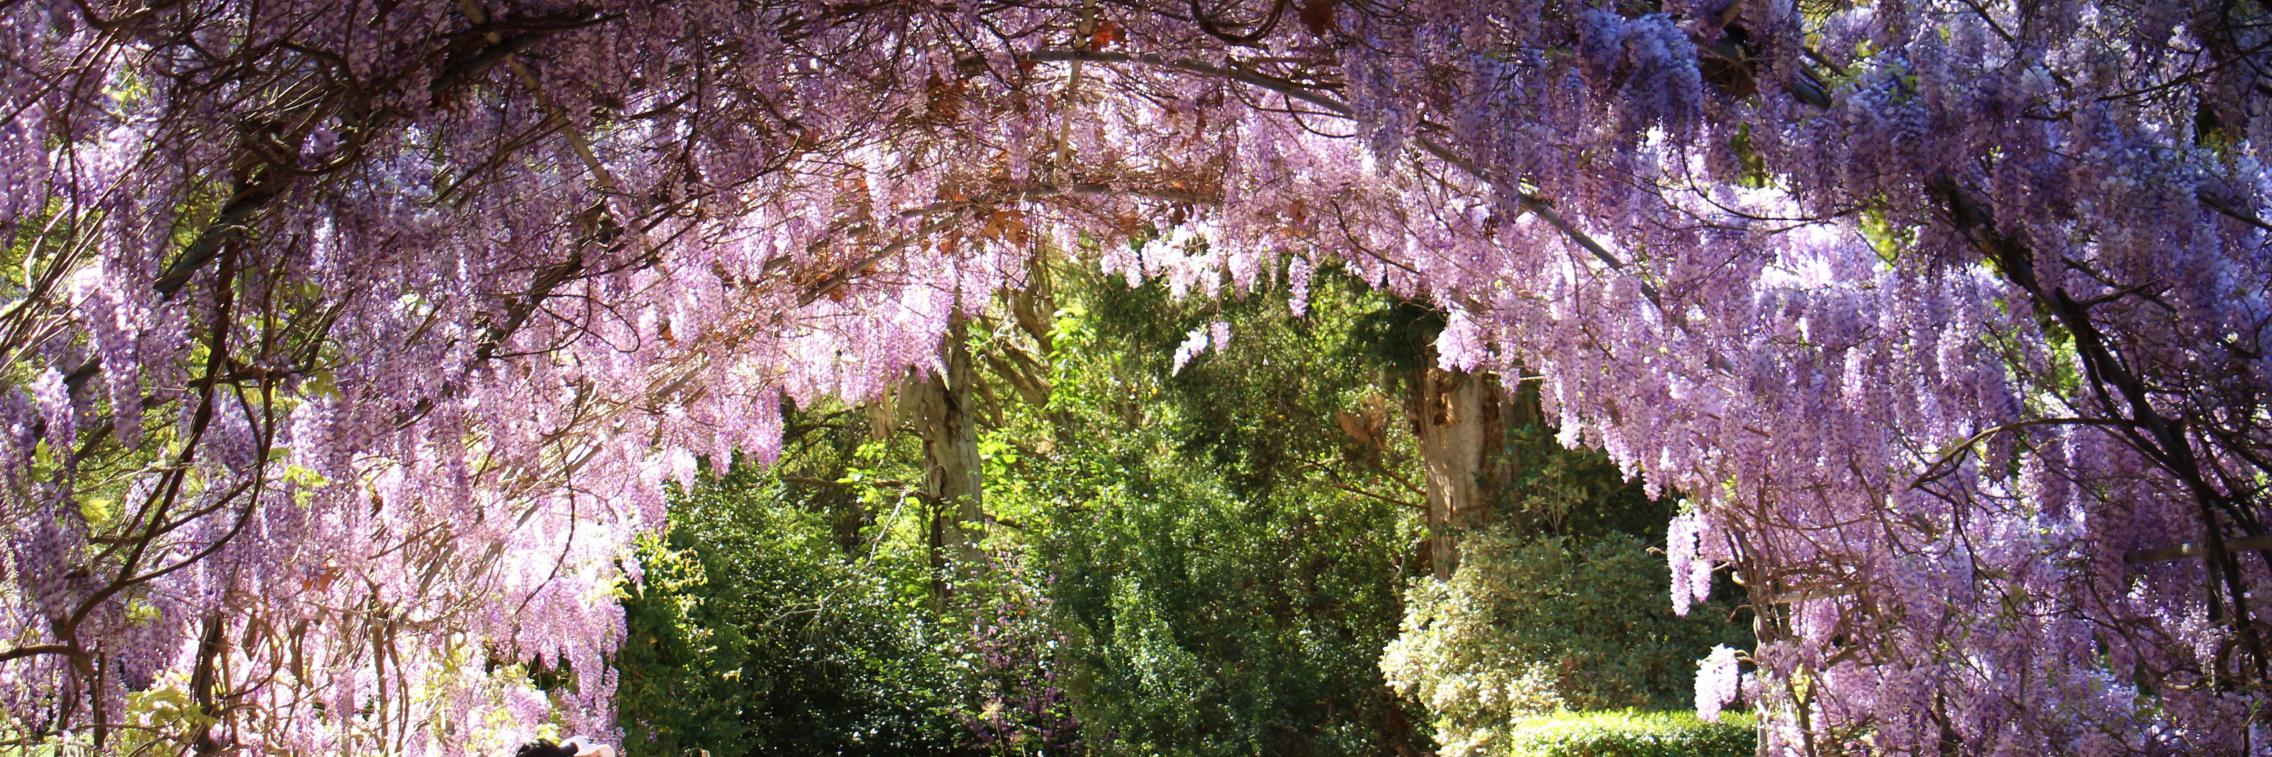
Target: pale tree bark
(1460,421)
(1454,420)
(945,407)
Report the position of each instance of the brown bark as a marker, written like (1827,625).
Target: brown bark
(202,685)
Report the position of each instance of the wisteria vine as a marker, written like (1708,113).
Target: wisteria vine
(349,343)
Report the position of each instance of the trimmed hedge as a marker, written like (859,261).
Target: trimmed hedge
(1632,733)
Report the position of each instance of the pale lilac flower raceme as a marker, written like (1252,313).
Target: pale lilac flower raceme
(1716,683)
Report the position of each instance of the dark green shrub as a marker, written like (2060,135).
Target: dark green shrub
(755,634)
(1221,594)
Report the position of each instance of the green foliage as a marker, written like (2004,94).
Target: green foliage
(1557,490)
(1632,733)
(1260,412)
(1394,333)
(1563,604)
(1203,561)
(754,633)
(1214,624)
(1008,666)
(1221,595)
(1532,625)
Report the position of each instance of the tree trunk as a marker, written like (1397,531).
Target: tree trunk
(1460,420)
(952,476)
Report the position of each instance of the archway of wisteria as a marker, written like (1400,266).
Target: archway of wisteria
(350,344)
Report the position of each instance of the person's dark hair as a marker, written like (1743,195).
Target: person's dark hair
(545,748)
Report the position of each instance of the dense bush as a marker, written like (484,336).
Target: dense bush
(1531,625)
(1221,594)
(1631,734)
(754,633)
(1562,603)
(1207,624)
(1008,664)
